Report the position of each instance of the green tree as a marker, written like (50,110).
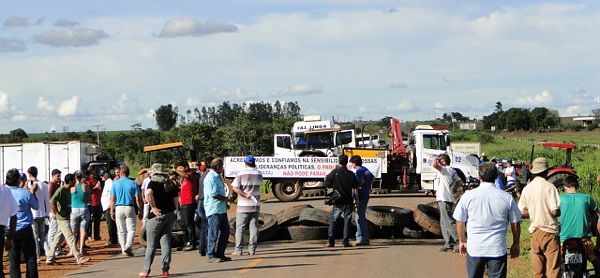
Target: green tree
(18,135)
(517,119)
(166,117)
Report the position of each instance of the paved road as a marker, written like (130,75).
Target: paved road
(384,258)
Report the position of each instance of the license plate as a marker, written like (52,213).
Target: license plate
(573,258)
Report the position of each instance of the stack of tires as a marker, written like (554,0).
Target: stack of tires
(303,222)
(388,221)
(267,228)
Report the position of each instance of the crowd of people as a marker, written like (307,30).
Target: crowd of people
(39,219)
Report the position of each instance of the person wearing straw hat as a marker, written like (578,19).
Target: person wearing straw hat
(540,202)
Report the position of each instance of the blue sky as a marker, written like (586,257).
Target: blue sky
(79,63)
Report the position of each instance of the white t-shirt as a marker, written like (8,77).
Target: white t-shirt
(105,199)
(443,180)
(510,170)
(43,198)
(9,206)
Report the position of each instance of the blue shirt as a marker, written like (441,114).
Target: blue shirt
(214,186)
(362,173)
(488,211)
(26,201)
(124,190)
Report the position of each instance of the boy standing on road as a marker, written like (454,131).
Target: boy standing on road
(577,209)
(247,186)
(540,202)
(365,179)
(489,211)
(443,194)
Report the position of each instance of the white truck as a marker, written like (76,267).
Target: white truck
(66,156)
(404,169)
(313,137)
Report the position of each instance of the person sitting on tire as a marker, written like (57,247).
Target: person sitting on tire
(488,212)
(247,185)
(577,210)
(365,179)
(346,185)
(443,195)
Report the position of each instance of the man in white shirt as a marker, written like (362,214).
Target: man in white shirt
(40,190)
(445,178)
(105,201)
(8,213)
(489,211)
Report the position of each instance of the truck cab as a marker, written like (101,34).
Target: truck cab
(313,137)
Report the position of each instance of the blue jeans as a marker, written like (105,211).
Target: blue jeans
(496,266)
(24,244)
(336,213)
(362,225)
(218,234)
(201,228)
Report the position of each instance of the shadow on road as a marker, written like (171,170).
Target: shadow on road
(194,273)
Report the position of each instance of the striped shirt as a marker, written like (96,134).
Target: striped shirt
(248,180)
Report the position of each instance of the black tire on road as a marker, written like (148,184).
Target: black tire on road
(287,190)
(388,216)
(290,214)
(416,234)
(314,217)
(301,232)
(428,218)
(267,228)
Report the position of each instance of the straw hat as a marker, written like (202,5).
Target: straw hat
(539,165)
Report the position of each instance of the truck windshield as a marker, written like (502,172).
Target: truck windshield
(434,142)
(313,141)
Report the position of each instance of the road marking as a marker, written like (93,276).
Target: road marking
(251,265)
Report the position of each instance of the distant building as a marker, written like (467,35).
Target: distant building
(583,121)
(470,125)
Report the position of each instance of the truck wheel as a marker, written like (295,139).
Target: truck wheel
(558,180)
(388,216)
(313,217)
(428,218)
(287,190)
(301,232)
(290,214)
(267,228)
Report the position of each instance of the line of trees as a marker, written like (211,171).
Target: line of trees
(536,119)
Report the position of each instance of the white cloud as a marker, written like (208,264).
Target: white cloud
(237,95)
(405,106)
(398,85)
(19,117)
(438,105)
(363,109)
(4,104)
(573,110)
(150,114)
(189,26)
(298,90)
(192,102)
(597,99)
(542,98)
(65,23)
(69,107)
(71,37)
(16,21)
(12,45)
(44,105)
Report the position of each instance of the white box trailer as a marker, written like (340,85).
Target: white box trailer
(66,156)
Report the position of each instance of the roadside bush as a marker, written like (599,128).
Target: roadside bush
(486,138)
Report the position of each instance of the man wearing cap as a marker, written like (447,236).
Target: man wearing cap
(540,202)
(24,242)
(247,185)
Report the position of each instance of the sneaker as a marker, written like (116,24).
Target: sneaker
(83,260)
(361,243)
(129,253)
(346,244)
(329,244)
(50,262)
(446,249)
(144,274)
(165,273)
(251,252)
(237,253)
(188,247)
(215,260)
(226,259)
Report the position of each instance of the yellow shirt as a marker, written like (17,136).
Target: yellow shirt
(539,198)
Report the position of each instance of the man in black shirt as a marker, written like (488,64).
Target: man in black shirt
(162,197)
(345,183)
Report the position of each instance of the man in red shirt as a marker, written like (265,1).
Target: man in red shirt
(96,205)
(187,198)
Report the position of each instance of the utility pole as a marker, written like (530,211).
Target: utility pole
(98,133)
